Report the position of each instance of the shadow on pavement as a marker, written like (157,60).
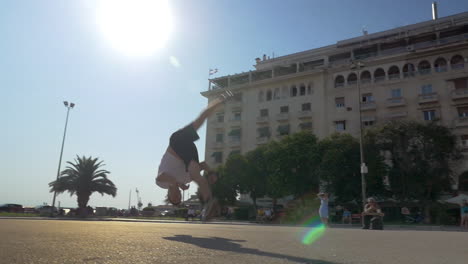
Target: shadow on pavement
(218,243)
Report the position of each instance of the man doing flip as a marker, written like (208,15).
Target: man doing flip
(180,163)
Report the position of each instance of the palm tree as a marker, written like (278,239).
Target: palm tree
(83,178)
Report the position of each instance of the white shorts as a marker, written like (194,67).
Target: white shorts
(173,167)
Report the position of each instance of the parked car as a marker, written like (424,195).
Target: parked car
(11,208)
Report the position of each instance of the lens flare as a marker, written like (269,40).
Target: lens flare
(317,229)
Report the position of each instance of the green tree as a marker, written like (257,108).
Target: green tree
(254,180)
(421,158)
(83,178)
(225,189)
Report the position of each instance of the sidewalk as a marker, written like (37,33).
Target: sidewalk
(230,222)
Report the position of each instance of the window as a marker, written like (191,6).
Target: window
(220,118)
(340,125)
(219,138)
(309,89)
(264,112)
(218,157)
(268,95)
(464,141)
(460,83)
(367,98)
(237,97)
(306,107)
(236,116)
(463,111)
(235,134)
(276,94)
(339,81)
(426,89)
(429,115)
(283,130)
(293,91)
(339,102)
(264,132)
(284,92)
(396,93)
(284,109)
(368,123)
(260,96)
(305,126)
(302,90)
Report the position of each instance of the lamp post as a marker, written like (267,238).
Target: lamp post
(357,65)
(68,106)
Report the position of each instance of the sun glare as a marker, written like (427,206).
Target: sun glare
(135,27)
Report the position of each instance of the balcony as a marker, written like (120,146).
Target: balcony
(461,121)
(458,66)
(262,140)
(460,94)
(395,76)
(428,98)
(217,124)
(352,83)
(368,106)
(441,69)
(379,79)
(396,115)
(396,101)
(282,116)
(218,145)
(304,114)
(263,119)
(424,71)
(234,142)
(235,122)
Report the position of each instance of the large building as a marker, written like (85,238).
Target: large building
(416,72)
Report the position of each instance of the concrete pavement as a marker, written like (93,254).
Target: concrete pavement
(55,241)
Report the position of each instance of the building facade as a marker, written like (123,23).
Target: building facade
(416,72)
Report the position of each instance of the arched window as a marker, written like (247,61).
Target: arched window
(366,77)
(379,75)
(424,67)
(302,90)
(457,62)
(352,79)
(440,65)
(268,95)
(261,96)
(293,91)
(339,81)
(408,70)
(394,73)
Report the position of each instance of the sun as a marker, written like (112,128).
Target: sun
(135,27)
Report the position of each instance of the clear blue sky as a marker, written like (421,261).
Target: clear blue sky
(126,107)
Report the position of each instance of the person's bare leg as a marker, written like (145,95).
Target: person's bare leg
(194,171)
(207,112)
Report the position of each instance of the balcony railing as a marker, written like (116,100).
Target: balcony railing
(339,85)
(441,68)
(263,119)
(218,144)
(366,81)
(408,74)
(428,98)
(397,115)
(460,93)
(352,82)
(379,79)
(396,101)
(262,140)
(304,114)
(368,106)
(457,66)
(282,116)
(461,121)
(424,71)
(233,142)
(394,76)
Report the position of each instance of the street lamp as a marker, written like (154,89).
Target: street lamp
(68,106)
(357,65)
